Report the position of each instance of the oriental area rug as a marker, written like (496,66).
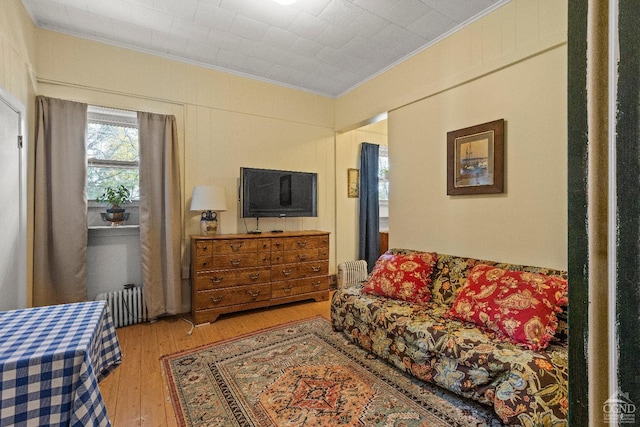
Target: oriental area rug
(305,374)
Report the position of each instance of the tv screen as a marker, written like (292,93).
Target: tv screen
(278,193)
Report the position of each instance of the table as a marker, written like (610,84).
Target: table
(51,360)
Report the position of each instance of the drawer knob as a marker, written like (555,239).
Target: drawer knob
(254,276)
(236,262)
(254,294)
(315,284)
(204,263)
(236,248)
(302,243)
(302,257)
(287,289)
(216,279)
(216,300)
(315,269)
(287,272)
(204,248)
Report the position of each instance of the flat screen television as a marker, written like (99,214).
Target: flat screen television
(278,193)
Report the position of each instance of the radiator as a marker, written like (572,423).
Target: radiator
(351,273)
(127,306)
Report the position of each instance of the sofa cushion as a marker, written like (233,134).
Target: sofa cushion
(450,274)
(403,276)
(520,306)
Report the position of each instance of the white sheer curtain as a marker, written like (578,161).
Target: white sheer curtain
(60,220)
(160,213)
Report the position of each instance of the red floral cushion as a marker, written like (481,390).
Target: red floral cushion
(518,305)
(403,276)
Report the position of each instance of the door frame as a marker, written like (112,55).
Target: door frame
(14,103)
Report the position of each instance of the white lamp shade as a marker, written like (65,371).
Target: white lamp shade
(209,198)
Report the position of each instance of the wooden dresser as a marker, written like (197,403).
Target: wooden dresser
(234,272)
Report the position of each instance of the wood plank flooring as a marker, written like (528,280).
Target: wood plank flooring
(136,393)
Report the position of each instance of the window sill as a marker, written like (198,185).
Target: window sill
(112,231)
(112,227)
(91,203)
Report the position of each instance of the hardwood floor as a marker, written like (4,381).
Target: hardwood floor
(136,393)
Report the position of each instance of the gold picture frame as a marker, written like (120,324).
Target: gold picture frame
(475,159)
(353,183)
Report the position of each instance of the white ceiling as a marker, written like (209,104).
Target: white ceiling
(326,47)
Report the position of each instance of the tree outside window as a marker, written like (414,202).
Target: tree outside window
(112,151)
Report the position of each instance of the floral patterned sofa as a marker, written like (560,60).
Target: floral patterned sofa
(524,386)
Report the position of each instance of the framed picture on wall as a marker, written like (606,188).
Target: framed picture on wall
(475,159)
(353,183)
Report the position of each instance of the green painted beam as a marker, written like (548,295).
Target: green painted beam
(578,255)
(628,201)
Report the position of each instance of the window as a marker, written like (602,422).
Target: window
(383,173)
(112,151)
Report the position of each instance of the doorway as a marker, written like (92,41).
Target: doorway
(348,158)
(13,256)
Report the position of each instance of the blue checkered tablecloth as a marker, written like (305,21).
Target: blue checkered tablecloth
(51,359)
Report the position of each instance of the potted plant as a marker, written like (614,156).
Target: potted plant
(115,197)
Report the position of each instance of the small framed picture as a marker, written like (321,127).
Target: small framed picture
(353,183)
(475,159)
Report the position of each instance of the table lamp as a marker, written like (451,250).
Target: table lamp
(209,199)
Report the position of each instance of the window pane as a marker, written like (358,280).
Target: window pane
(112,142)
(383,190)
(99,178)
(112,151)
(383,171)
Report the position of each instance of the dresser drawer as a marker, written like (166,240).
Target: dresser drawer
(235,246)
(299,286)
(311,242)
(232,296)
(264,245)
(204,248)
(277,245)
(311,269)
(241,260)
(226,278)
(302,255)
(323,252)
(299,270)
(284,272)
(203,263)
(277,257)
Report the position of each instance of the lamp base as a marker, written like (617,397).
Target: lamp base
(208,227)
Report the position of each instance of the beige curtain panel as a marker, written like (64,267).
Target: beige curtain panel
(160,213)
(60,220)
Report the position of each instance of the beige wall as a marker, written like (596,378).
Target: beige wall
(17,51)
(347,209)
(510,64)
(528,223)
(17,77)
(224,121)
